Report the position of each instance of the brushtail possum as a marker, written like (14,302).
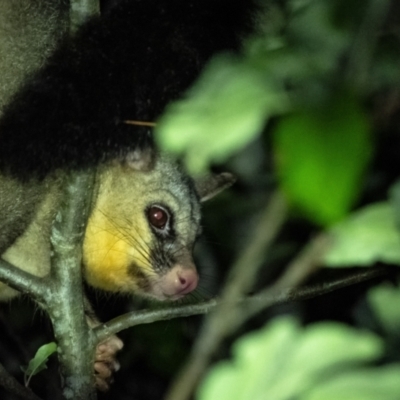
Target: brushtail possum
(140,234)
(63,103)
(125,65)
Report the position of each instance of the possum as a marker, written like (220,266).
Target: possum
(139,238)
(140,234)
(63,105)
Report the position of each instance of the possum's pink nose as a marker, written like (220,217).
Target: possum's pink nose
(179,281)
(187,280)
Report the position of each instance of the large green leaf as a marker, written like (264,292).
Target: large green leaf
(367,236)
(373,384)
(321,156)
(283,361)
(223,111)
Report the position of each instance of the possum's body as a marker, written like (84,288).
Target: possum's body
(30,31)
(26,214)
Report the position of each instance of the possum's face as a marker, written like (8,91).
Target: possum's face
(141,232)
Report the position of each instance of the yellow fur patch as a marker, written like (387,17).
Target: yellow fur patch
(108,252)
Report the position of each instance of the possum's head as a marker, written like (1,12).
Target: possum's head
(143,226)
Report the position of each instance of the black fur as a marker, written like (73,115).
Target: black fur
(126,65)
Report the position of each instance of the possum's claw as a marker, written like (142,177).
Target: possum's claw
(105,362)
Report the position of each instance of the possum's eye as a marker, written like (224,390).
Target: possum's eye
(158,217)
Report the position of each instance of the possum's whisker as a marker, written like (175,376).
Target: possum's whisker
(140,246)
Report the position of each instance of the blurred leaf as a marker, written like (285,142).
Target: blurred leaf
(223,111)
(375,384)
(321,156)
(367,236)
(300,45)
(394,197)
(284,360)
(39,362)
(313,32)
(385,302)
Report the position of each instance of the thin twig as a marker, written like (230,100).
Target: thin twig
(148,316)
(259,300)
(297,271)
(140,123)
(245,269)
(266,298)
(23,281)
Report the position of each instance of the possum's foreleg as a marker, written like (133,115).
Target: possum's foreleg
(105,362)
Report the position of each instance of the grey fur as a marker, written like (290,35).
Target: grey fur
(27,211)
(29,32)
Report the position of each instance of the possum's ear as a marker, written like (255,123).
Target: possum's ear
(210,185)
(139,159)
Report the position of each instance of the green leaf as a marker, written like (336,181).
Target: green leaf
(374,384)
(284,360)
(38,363)
(394,199)
(367,236)
(223,111)
(321,156)
(385,302)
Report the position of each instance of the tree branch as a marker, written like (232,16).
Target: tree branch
(254,303)
(298,270)
(23,281)
(65,303)
(148,316)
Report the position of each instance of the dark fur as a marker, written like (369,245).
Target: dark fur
(128,64)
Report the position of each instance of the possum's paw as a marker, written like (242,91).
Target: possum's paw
(106,363)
